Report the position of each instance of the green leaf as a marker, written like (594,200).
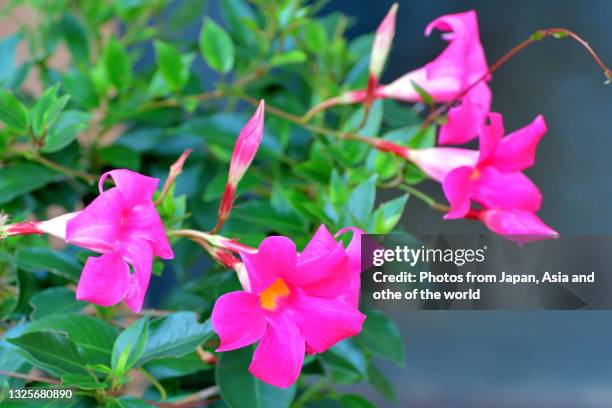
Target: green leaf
(53,301)
(315,37)
(338,190)
(171,66)
(117,64)
(291,57)
(262,214)
(388,214)
(47,110)
(120,156)
(381,383)
(176,366)
(361,201)
(240,389)
(174,335)
(425,96)
(346,354)
(9,70)
(216,46)
(23,178)
(36,259)
(13,113)
(355,401)
(92,335)
(130,346)
(69,124)
(85,382)
(381,336)
(52,351)
(12,360)
(76,38)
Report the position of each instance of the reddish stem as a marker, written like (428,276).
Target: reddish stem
(509,55)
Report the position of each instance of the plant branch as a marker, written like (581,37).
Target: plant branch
(29,377)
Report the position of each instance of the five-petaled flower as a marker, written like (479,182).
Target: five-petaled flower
(123,225)
(496,180)
(295,303)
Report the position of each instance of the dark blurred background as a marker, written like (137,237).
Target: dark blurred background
(516,359)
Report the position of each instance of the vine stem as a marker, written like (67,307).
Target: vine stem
(35,157)
(160,388)
(29,377)
(537,36)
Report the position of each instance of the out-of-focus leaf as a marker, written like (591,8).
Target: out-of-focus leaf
(381,336)
(361,201)
(216,46)
(171,66)
(76,38)
(120,156)
(388,214)
(381,383)
(240,389)
(117,63)
(69,124)
(13,113)
(355,401)
(291,57)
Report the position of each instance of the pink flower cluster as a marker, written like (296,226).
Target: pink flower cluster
(493,176)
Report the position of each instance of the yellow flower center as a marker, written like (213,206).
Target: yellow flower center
(269,297)
(475,175)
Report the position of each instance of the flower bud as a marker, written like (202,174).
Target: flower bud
(382,42)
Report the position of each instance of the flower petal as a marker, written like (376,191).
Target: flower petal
(143,222)
(494,189)
(134,187)
(96,227)
(238,320)
(457,189)
(463,57)
(104,280)
(516,222)
(322,240)
(275,258)
(139,254)
(517,151)
(464,120)
(437,162)
(324,322)
(441,89)
(279,357)
(354,253)
(490,136)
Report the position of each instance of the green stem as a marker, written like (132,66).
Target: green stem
(160,388)
(430,201)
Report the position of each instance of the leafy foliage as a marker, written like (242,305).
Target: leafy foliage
(136,98)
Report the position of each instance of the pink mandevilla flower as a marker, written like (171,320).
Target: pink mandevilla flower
(123,225)
(496,180)
(294,303)
(453,72)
